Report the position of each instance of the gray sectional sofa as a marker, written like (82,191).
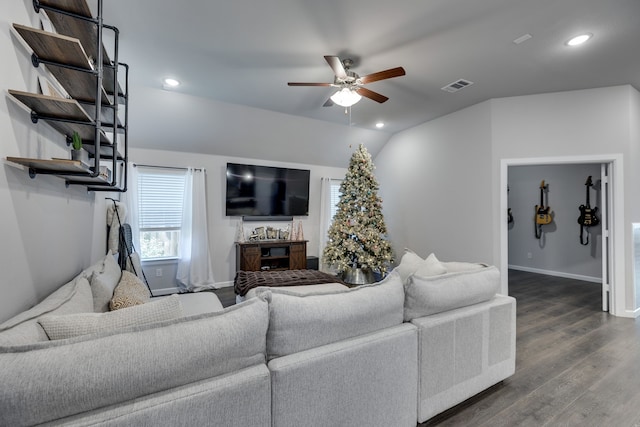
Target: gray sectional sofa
(376,355)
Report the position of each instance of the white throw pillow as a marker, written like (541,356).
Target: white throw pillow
(73,325)
(409,263)
(430,267)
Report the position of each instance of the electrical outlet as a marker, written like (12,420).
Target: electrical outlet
(529,255)
(158,272)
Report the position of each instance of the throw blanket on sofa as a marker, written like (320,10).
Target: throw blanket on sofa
(246,280)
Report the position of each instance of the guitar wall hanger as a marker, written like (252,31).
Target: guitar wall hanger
(543,213)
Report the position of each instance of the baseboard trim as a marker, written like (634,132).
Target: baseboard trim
(557,273)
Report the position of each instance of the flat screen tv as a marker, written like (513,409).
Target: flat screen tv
(265,191)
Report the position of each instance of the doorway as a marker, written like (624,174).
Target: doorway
(612,238)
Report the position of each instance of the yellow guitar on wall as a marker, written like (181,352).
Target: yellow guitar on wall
(543,213)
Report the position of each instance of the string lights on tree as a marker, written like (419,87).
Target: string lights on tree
(357,235)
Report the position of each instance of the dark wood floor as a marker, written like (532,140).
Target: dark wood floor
(226,296)
(575,365)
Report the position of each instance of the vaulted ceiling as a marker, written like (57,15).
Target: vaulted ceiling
(234,59)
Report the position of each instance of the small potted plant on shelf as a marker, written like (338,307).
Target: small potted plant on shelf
(77,152)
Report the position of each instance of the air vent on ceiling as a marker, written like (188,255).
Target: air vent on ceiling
(457,85)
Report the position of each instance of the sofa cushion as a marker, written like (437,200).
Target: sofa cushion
(434,294)
(73,297)
(456,266)
(103,282)
(60,327)
(299,322)
(301,290)
(51,380)
(129,292)
(198,302)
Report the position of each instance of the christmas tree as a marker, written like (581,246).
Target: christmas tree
(357,233)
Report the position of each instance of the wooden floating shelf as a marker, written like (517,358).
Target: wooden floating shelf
(106,152)
(64,50)
(53,165)
(69,109)
(84,31)
(55,47)
(59,167)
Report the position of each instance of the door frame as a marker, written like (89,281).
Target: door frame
(617,288)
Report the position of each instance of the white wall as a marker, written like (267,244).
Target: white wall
(558,251)
(435,182)
(222,229)
(441,180)
(49,232)
(594,122)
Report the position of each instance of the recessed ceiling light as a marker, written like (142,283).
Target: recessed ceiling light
(578,40)
(170,82)
(379,125)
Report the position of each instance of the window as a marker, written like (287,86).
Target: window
(335,196)
(160,201)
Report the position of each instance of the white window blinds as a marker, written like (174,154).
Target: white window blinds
(160,199)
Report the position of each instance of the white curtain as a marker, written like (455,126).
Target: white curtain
(325,217)
(194,266)
(130,199)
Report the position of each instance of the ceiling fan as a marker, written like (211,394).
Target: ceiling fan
(350,84)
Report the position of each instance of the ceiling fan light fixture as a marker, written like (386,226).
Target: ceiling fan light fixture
(345,97)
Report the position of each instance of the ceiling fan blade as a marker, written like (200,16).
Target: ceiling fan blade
(381,75)
(328,103)
(371,95)
(309,84)
(336,65)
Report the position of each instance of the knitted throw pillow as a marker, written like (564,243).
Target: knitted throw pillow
(73,325)
(129,292)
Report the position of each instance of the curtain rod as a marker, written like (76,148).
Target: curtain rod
(135,165)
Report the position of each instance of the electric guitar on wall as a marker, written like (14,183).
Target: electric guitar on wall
(587,216)
(543,214)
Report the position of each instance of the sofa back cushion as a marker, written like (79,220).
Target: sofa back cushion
(73,297)
(103,283)
(299,322)
(435,294)
(54,379)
